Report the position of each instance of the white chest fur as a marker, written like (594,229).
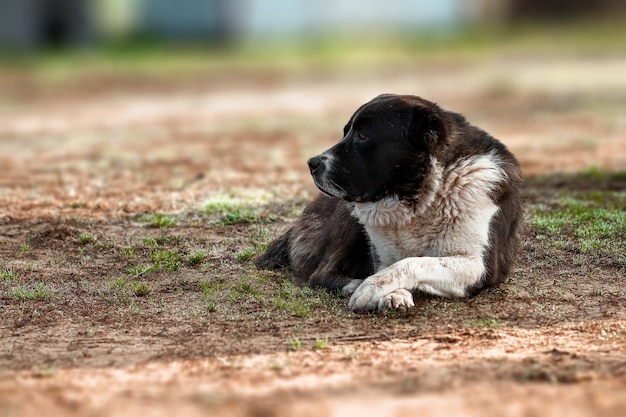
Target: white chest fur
(452,216)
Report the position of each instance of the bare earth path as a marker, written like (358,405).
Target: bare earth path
(80,171)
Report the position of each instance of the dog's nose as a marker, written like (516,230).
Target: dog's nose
(315,162)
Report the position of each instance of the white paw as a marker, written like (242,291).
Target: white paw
(351,287)
(370,297)
(400,298)
(367,297)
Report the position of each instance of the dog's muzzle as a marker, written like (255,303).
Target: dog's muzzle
(317,164)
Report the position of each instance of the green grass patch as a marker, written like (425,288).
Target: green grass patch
(212,291)
(150,242)
(303,301)
(295,343)
(139,288)
(168,260)
(118,283)
(130,252)
(227,210)
(39,291)
(8,275)
(138,270)
(86,238)
(196,257)
(158,220)
(321,343)
(245,254)
(593,223)
(245,287)
(236,216)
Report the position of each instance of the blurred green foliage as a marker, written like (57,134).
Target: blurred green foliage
(332,51)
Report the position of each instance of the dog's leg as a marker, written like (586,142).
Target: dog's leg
(445,276)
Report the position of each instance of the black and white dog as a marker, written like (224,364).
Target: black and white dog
(414,198)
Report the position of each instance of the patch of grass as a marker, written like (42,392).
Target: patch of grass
(321,343)
(196,257)
(210,307)
(166,259)
(259,238)
(295,343)
(115,289)
(118,283)
(150,242)
(245,254)
(137,270)
(127,252)
(301,302)
(559,243)
(231,211)
(85,238)
(39,291)
(139,288)
(8,275)
(290,300)
(26,248)
(593,223)
(212,288)
(158,220)
(211,293)
(244,287)
(598,175)
(294,308)
(237,216)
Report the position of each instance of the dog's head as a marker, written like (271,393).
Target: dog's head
(385,150)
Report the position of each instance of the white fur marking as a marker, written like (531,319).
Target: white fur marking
(383,213)
(437,248)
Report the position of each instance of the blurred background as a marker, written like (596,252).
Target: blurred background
(127,105)
(46,23)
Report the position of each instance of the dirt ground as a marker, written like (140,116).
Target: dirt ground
(85,165)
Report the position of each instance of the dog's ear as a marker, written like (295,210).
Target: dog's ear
(427,127)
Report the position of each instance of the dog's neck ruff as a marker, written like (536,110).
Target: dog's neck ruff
(383,213)
(430,187)
(391,211)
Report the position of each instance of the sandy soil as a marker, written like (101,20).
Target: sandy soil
(93,161)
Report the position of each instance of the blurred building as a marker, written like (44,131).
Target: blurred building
(190,19)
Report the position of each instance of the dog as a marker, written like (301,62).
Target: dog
(413,198)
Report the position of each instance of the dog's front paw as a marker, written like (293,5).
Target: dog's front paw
(398,299)
(367,297)
(370,297)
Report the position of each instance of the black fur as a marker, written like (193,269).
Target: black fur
(341,251)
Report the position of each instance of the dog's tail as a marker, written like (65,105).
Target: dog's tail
(277,254)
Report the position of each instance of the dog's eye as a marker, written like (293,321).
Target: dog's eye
(361,136)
